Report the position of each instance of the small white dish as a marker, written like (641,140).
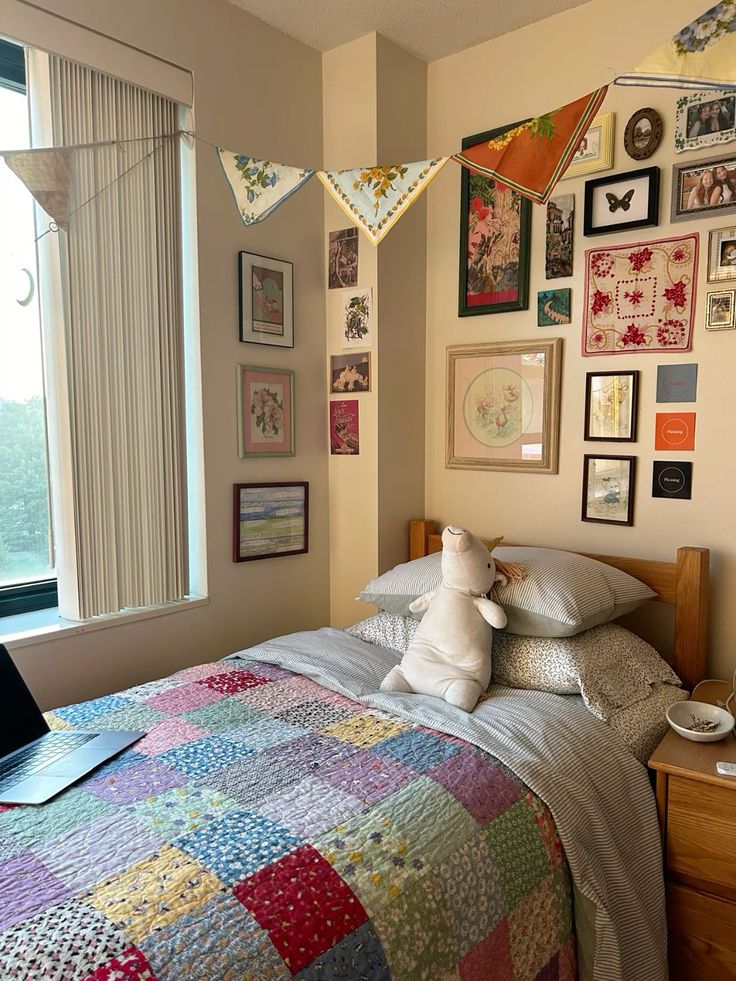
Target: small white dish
(682,715)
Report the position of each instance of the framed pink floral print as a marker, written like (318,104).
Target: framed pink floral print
(265,411)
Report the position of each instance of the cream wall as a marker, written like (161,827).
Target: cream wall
(258,91)
(501,81)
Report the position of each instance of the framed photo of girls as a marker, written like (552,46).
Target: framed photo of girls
(705,119)
(703,189)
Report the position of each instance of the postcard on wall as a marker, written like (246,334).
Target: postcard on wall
(357,318)
(343,259)
(553,307)
(344,428)
(559,236)
(672,479)
(674,431)
(350,372)
(677,382)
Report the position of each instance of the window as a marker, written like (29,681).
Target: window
(27,578)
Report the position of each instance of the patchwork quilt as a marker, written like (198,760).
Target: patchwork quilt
(267,828)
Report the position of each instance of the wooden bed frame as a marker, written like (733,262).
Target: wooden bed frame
(683,583)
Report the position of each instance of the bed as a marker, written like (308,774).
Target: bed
(282,818)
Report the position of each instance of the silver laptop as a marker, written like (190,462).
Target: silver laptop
(36,763)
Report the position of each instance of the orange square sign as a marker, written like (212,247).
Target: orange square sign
(675,431)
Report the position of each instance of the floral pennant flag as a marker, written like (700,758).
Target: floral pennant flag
(700,56)
(532,157)
(376,197)
(47,173)
(259,186)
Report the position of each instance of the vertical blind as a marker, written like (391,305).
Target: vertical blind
(122,323)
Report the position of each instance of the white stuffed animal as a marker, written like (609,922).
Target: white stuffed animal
(450,655)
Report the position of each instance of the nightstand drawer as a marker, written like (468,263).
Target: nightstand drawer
(702,935)
(701,833)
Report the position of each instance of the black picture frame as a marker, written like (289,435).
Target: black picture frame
(525,222)
(273,553)
(633,377)
(253,330)
(629,516)
(598,185)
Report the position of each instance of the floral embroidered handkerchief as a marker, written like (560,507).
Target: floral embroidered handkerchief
(640,297)
(259,186)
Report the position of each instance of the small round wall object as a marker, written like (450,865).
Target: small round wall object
(643,133)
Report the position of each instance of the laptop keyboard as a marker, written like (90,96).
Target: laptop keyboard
(33,758)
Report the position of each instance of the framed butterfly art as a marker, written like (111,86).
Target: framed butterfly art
(621,201)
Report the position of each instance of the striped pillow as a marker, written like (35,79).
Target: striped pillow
(561,594)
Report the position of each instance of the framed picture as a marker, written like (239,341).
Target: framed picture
(720,311)
(344,428)
(265,411)
(704,189)
(350,372)
(705,119)
(608,489)
(270,520)
(621,201)
(503,406)
(553,307)
(342,264)
(596,148)
(495,240)
(722,255)
(643,133)
(266,300)
(611,402)
(560,233)
(672,478)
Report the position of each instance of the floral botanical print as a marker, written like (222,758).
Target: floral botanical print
(640,297)
(267,409)
(259,186)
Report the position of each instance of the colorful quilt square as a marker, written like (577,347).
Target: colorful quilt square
(277,696)
(198,672)
(311,754)
(262,669)
(95,851)
(168,734)
(154,893)
(9,846)
(237,845)
(27,886)
(129,757)
(86,712)
(136,782)
(540,925)
(265,733)
(473,892)
(182,810)
(359,955)
(183,698)
(364,730)
(32,825)
(230,682)
(315,714)
(417,750)
(219,717)
(218,940)
(72,933)
(131,965)
(249,781)
(305,907)
(482,785)
(204,756)
(520,854)
(135,715)
(494,949)
(309,808)
(54,721)
(366,776)
(141,693)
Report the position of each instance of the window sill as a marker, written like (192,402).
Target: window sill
(41,625)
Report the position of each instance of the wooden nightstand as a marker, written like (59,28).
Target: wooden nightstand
(697,815)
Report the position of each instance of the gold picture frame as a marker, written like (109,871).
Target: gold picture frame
(598,153)
(503,406)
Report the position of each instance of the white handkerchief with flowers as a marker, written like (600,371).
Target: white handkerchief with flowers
(259,186)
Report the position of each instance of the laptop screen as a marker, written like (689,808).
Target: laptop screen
(21,720)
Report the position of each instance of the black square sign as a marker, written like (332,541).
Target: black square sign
(672,479)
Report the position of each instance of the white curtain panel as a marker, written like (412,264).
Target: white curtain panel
(121,276)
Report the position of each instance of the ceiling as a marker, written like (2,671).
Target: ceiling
(429,29)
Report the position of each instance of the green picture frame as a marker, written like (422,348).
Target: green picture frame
(494,222)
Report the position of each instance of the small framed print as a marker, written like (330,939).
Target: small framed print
(270,520)
(674,431)
(596,148)
(643,133)
(553,307)
(722,255)
(703,189)
(611,402)
(672,478)
(265,411)
(350,372)
(266,300)
(720,311)
(608,489)
(621,202)
(705,119)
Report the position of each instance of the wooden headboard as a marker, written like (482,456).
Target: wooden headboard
(683,583)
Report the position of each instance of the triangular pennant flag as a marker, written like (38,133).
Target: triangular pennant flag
(376,197)
(700,56)
(532,157)
(47,173)
(259,186)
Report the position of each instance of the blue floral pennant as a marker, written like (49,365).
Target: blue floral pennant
(700,56)
(259,186)
(376,197)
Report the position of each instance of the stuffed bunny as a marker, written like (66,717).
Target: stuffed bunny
(450,655)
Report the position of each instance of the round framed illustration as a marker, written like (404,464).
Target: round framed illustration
(643,133)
